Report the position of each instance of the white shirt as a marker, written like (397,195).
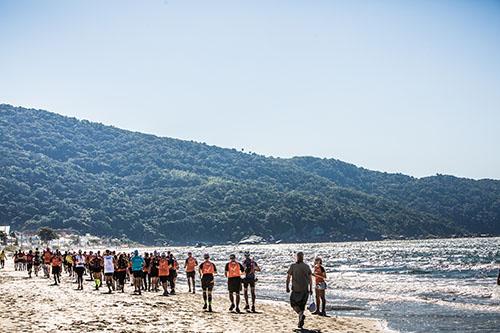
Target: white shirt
(108,264)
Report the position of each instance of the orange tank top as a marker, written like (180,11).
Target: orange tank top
(190,264)
(207,268)
(233,269)
(56,261)
(163,269)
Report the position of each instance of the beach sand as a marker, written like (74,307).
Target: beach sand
(34,305)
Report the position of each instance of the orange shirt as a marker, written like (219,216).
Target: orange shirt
(233,269)
(190,264)
(56,261)
(163,268)
(207,268)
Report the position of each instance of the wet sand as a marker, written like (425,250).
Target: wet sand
(34,305)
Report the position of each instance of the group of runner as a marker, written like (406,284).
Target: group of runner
(145,272)
(150,271)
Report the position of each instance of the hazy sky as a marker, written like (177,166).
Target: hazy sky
(411,87)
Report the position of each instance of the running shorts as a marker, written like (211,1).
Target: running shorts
(234,284)
(207,282)
(248,282)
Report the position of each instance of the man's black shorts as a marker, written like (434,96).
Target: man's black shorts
(234,284)
(154,272)
(108,274)
(207,282)
(137,274)
(56,269)
(248,282)
(164,278)
(191,274)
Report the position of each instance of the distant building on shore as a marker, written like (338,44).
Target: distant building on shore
(5,228)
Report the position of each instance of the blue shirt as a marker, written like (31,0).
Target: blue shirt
(137,263)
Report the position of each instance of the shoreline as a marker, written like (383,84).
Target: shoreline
(34,305)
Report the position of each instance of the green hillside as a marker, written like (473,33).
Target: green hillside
(64,173)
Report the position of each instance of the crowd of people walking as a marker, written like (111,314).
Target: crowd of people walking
(150,271)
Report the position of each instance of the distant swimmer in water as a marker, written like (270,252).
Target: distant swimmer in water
(300,275)
(320,282)
(233,272)
(207,271)
(190,267)
(250,267)
(498,278)
(137,265)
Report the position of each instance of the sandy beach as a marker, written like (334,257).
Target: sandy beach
(34,305)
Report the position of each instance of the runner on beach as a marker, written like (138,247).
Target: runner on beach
(88,258)
(172,262)
(145,272)
(190,267)
(79,269)
(207,271)
(137,263)
(233,272)
(29,263)
(68,260)
(2,258)
(154,271)
(121,271)
(250,267)
(320,284)
(163,272)
(300,275)
(47,257)
(109,269)
(37,261)
(96,269)
(56,262)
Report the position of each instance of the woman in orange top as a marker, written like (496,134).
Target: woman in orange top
(320,277)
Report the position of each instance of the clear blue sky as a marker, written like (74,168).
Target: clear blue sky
(398,86)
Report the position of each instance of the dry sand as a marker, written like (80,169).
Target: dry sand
(34,305)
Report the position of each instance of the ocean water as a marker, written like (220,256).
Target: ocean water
(444,285)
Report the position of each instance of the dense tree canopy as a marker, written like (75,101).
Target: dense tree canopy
(60,172)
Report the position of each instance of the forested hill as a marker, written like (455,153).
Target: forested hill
(69,174)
